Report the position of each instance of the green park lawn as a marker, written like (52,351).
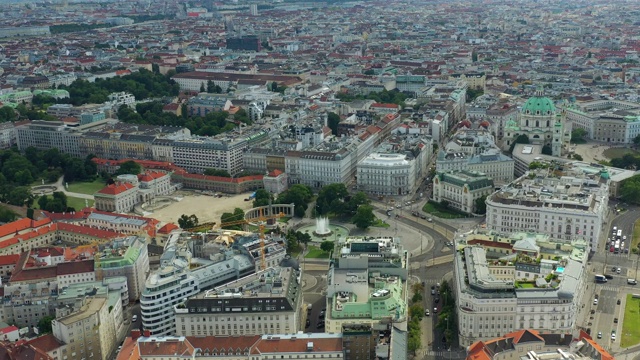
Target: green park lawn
(315,253)
(380,223)
(88,188)
(636,235)
(630,330)
(441,212)
(619,152)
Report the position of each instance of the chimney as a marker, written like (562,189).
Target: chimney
(147,333)
(135,334)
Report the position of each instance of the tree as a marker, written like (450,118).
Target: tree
(636,140)
(211,87)
(630,190)
(6,215)
(414,344)
(364,217)
(331,199)
(577,135)
(481,205)
(327,246)
(417,297)
(274,86)
(202,88)
(299,195)
(360,198)
(30,213)
(546,150)
(217,172)
(129,167)
(44,325)
(578,157)
(187,221)
(19,195)
(333,120)
(521,139)
(7,114)
(237,215)
(262,198)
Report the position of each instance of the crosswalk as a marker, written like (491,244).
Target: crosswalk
(614,288)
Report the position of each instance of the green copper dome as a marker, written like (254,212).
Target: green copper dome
(539,105)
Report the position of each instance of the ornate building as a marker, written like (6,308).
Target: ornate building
(541,123)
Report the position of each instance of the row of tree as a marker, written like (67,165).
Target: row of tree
(416,313)
(630,190)
(384,96)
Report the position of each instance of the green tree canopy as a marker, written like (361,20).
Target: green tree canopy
(577,135)
(364,217)
(327,246)
(44,325)
(237,215)
(187,221)
(481,205)
(521,139)
(262,198)
(331,199)
(299,195)
(333,120)
(630,190)
(129,167)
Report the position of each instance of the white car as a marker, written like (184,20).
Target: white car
(618,271)
(613,336)
(595,301)
(426,312)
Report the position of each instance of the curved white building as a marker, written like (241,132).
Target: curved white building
(182,276)
(386,174)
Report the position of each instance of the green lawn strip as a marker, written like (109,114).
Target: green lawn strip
(88,188)
(636,235)
(380,223)
(316,253)
(441,212)
(618,152)
(630,330)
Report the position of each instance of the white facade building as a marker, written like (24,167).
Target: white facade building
(267,302)
(566,204)
(386,174)
(175,281)
(533,284)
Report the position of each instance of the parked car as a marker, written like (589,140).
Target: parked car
(320,325)
(307,323)
(615,320)
(429,219)
(423,216)
(618,302)
(599,334)
(608,277)
(426,312)
(613,335)
(134,318)
(595,301)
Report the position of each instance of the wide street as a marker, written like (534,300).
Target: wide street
(607,315)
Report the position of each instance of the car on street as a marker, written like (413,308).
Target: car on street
(613,269)
(613,335)
(426,312)
(436,300)
(320,325)
(618,302)
(423,216)
(615,320)
(632,281)
(134,318)
(429,219)
(595,301)
(608,277)
(435,310)
(307,323)
(618,271)
(599,334)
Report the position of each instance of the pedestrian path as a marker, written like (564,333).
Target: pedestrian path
(441,354)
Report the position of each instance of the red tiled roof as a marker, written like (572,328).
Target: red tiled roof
(45,343)
(385,106)
(86,230)
(172,347)
(296,345)
(115,189)
(151,175)
(168,228)
(9,259)
(275,173)
(20,225)
(75,267)
(224,345)
(8,329)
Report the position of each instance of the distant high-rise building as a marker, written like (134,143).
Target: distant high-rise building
(254,9)
(228,24)
(248,42)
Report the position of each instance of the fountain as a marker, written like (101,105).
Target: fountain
(322,227)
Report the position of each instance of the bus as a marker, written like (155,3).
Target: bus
(601,279)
